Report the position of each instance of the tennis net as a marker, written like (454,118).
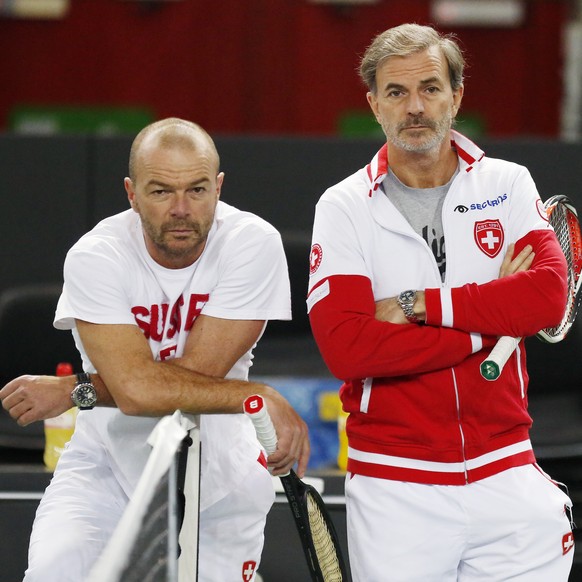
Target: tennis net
(145,544)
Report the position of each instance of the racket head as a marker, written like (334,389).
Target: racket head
(316,530)
(563,218)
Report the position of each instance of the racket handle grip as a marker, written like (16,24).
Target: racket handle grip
(492,367)
(255,408)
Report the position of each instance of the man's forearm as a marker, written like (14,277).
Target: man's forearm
(516,305)
(106,399)
(356,344)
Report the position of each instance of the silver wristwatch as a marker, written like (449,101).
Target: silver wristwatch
(406,300)
(84,395)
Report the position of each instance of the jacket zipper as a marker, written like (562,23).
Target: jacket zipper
(460,425)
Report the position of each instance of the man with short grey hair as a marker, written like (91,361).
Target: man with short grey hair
(419,262)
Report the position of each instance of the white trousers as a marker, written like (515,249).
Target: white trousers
(511,526)
(83,503)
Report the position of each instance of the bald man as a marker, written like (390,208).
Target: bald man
(166,302)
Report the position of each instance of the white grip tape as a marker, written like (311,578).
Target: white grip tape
(256,409)
(492,367)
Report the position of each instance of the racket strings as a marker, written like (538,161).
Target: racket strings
(575,238)
(323,543)
(566,226)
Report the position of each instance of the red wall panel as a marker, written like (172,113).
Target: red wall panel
(265,66)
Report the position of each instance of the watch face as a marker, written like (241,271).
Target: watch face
(85,395)
(407,296)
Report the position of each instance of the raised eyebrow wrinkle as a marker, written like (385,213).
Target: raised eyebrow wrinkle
(157,183)
(424,82)
(164,186)
(201,181)
(394,86)
(432,80)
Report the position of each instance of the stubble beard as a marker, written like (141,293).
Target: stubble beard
(439,132)
(159,237)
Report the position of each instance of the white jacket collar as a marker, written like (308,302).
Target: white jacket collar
(469,154)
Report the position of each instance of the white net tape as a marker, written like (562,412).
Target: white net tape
(144,546)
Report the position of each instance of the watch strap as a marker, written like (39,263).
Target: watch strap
(83,378)
(407,307)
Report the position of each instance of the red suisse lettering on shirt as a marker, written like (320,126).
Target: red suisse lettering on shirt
(152,320)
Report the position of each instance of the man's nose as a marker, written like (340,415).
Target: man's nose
(415,104)
(180,204)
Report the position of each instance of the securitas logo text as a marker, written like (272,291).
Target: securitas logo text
(489,203)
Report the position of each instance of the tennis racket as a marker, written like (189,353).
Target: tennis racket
(316,531)
(564,219)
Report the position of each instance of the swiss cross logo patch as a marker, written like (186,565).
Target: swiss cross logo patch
(315,258)
(567,542)
(248,570)
(489,236)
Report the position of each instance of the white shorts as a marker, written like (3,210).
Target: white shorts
(83,503)
(512,526)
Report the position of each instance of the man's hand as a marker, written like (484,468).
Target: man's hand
(31,398)
(389,309)
(292,438)
(522,262)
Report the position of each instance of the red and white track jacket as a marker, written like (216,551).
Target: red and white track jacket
(419,409)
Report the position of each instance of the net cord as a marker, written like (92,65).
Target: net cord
(165,440)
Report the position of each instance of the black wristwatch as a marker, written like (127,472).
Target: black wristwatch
(84,395)
(406,300)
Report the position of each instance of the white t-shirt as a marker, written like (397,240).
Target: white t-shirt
(110,278)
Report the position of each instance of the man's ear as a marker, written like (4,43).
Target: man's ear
(373,102)
(219,181)
(457,99)
(130,192)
